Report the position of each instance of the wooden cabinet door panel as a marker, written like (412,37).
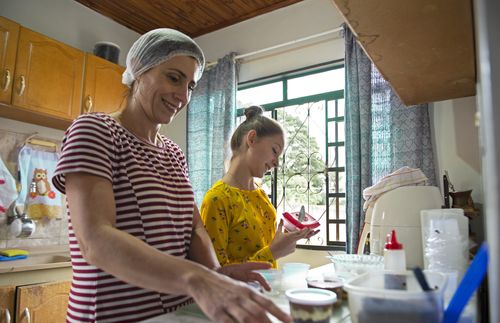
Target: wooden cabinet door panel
(48,76)
(47,303)
(9,34)
(104,91)
(7,297)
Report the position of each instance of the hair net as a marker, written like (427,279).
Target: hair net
(157,46)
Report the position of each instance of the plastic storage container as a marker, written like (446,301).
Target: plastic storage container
(273,278)
(370,301)
(311,305)
(292,223)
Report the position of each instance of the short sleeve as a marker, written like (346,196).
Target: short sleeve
(87,147)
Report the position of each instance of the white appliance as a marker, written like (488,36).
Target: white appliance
(399,210)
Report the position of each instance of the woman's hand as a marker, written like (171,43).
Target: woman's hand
(223,300)
(245,272)
(284,242)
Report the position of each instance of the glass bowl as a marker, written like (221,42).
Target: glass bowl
(356,264)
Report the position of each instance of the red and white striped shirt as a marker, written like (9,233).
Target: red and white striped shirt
(154,202)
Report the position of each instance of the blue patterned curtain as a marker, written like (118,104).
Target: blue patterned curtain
(358,121)
(382,134)
(401,135)
(211,119)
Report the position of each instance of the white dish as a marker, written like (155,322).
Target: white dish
(356,264)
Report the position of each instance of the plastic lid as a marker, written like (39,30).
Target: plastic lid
(311,296)
(392,242)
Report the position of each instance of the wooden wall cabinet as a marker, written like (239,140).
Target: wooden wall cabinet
(46,82)
(44,85)
(37,303)
(9,34)
(424,49)
(48,76)
(103,88)
(7,299)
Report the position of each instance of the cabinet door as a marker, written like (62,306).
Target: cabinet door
(104,91)
(9,34)
(48,77)
(7,297)
(42,302)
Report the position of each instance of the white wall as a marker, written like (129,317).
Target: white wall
(457,144)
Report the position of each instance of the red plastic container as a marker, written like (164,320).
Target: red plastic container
(292,223)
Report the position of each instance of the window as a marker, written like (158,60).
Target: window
(309,104)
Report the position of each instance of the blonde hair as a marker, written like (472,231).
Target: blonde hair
(255,120)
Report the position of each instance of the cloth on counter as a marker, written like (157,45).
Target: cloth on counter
(405,176)
(5,258)
(8,191)
(36,169)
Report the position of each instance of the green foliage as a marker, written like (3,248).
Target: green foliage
(302,167)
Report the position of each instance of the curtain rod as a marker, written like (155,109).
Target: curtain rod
(282,45)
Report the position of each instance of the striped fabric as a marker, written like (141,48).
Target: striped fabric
(154,202)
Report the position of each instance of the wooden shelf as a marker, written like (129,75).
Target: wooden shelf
(424,49)
(24,115)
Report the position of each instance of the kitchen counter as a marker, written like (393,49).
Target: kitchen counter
(38,259)
(193,314)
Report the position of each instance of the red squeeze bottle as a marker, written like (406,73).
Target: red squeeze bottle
(394,263)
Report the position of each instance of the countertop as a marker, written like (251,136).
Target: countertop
(193,314)
(39,258)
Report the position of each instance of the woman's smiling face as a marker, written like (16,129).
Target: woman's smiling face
(166,89)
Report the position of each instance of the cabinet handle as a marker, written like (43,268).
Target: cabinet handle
(7,316)
(22,85)
(6,79)
(88,104)
(26,315)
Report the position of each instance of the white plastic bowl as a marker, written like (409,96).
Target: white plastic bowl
(356,264)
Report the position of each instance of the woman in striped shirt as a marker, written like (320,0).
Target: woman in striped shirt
(138,246)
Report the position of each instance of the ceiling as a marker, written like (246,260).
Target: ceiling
(192,17)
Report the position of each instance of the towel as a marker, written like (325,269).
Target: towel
(405,176)
(8,192)
(36,169)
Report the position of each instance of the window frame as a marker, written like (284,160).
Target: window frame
(327,97)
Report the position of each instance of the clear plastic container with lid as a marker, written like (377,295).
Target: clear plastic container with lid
(311,305)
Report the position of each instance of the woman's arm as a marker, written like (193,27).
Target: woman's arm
(93,216)
(202,251)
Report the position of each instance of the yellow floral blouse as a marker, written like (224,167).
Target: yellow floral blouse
(240,223)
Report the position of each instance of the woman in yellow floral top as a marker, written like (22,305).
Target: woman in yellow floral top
(239,218)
